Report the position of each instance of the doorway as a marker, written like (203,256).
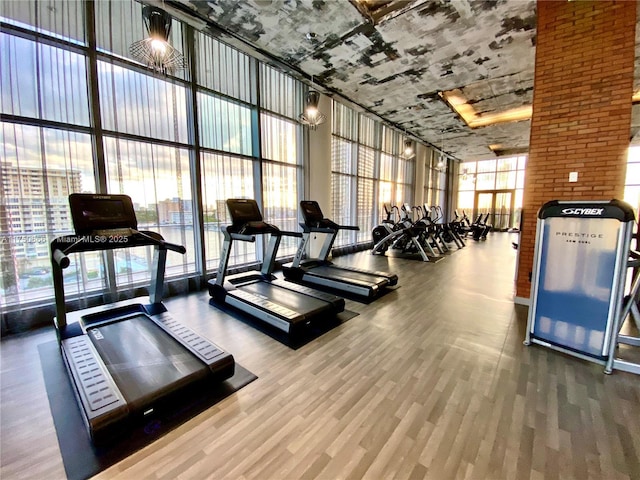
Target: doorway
(499,204)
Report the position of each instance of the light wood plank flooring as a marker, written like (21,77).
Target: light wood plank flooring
(430,381)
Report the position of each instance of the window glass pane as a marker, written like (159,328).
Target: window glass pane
(364,208)
(522,162)
(486,181)
(224,125)
(280,93)
(389,139)
(506,180)
(405,170)
(632,182)
(386,167)
(401,195)
(341,156)
(222,68)
(224,177)
(468,168)
(518,198)
(633,174)
(435,181)
(342,193)
(281,202)
(344,121)
(279,139)
(385,195)
(505,164)
(141,104)
(486,166)
(465,202)
(520,179)
(367,131)
(366,162)
(43,82)
(59,18)
(39,168)
(517,214)
(466,182)
(119,24)
(157,178)
(632,197)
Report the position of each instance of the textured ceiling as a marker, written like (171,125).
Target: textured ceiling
(396,65)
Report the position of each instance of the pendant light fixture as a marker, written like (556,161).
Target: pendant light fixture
(312,117)
(408,147)
(155,50)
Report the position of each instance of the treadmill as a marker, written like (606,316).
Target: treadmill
(127,361)
(323,273)
(288,307)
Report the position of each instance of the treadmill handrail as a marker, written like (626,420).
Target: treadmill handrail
(162,243)
(243,238)
(291,234)
(317,229)
(62,246)
(88,243)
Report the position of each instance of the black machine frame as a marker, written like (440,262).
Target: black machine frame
(320,271)
(288,307)
(102,370)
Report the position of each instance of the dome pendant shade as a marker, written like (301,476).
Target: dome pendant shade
(312,117)
(155,51)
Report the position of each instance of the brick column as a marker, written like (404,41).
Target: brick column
(581,109)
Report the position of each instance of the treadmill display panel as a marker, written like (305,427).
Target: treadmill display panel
(311,211)
(101,212)
(243,211)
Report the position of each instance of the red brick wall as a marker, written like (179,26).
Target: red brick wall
(581,109)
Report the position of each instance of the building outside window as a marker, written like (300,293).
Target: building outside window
(493,187)
(83,118)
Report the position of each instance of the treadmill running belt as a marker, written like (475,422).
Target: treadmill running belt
(298,302)
(334,272)
(143,360)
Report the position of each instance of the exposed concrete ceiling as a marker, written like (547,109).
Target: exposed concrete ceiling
(394,58)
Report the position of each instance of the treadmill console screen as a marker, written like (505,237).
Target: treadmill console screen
(91,212)
(311,212)
(243,211)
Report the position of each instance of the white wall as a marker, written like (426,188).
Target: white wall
(319,179)
(421,156)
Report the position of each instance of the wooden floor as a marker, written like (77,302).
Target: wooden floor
(430,381)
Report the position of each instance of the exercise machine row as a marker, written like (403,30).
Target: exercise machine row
(286,306)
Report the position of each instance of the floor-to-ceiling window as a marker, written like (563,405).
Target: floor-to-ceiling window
(344,154)
(47,149)
(493,187)
(435,180)
(632,181)
(369,168)
(281,138)
(80,115)
(227,150)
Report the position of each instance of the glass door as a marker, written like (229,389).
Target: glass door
(484,205)
(502,211)
(499,205)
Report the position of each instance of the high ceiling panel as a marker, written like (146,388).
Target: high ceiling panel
(392,57)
